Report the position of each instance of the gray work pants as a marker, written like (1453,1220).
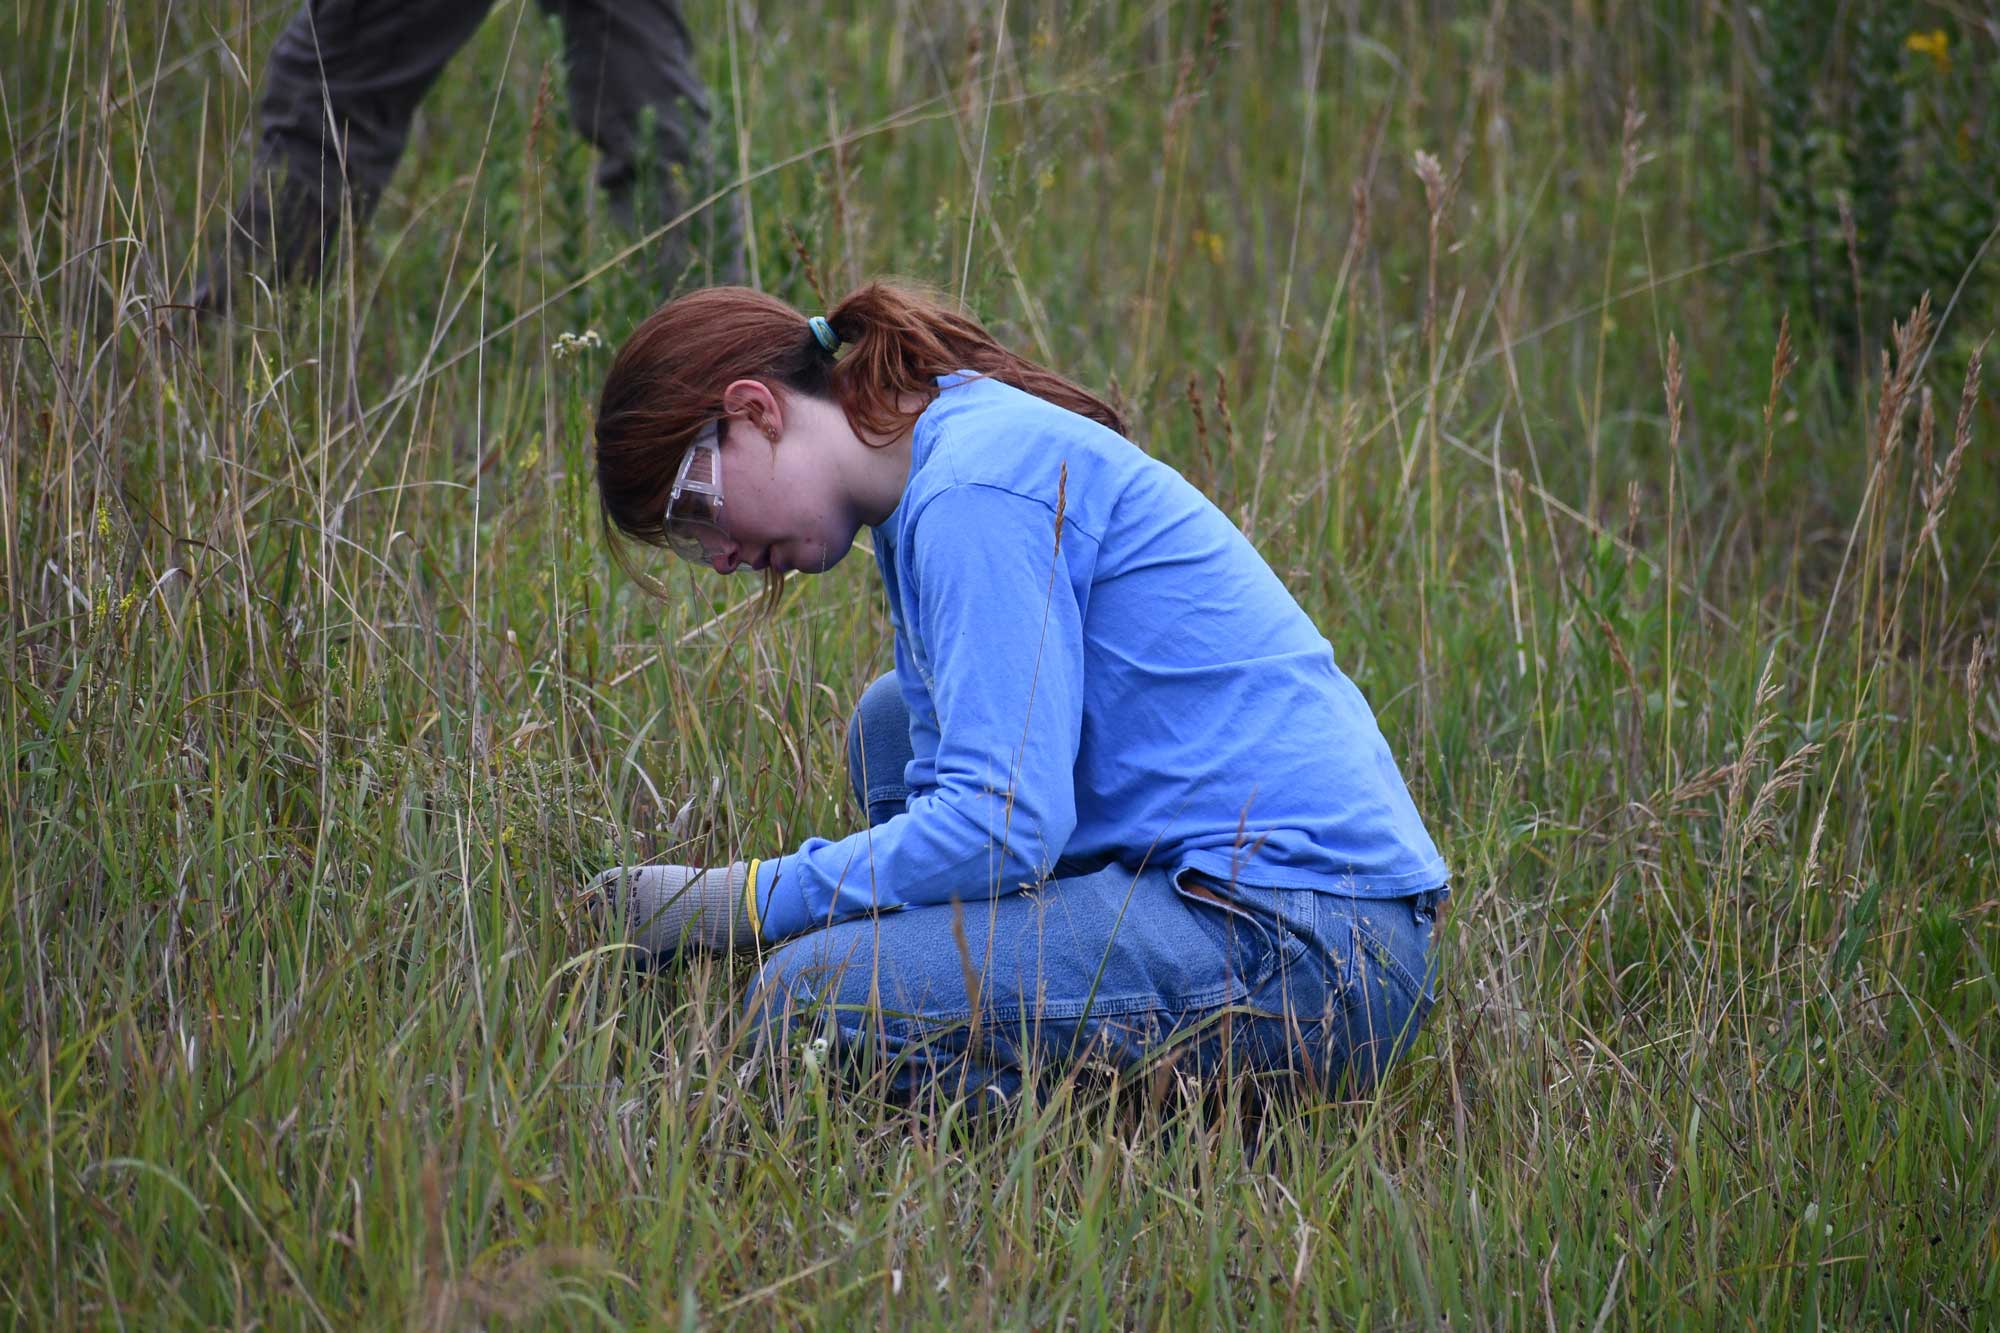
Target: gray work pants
(346,76)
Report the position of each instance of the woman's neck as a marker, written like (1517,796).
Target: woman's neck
(879,466)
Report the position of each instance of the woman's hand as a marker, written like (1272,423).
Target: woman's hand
(663,909)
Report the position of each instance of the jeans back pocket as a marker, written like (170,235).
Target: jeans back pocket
(1261,931)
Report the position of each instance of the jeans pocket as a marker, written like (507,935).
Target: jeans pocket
(1265,930)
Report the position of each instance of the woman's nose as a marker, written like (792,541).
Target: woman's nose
(724,560)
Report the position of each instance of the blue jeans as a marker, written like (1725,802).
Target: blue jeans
(1124,965)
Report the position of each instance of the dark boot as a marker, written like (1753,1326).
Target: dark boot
(636,95)
(341,87)
(283,231)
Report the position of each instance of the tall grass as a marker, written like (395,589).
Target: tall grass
(323,696)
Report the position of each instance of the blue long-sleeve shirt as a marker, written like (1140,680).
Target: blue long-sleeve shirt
(1144,691)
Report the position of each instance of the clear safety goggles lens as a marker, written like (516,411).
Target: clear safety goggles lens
(694,506)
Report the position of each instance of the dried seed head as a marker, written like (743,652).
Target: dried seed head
(541,109)
(1783,359)
(1911,340)
(1062,501)
(1676,406)
(1763,717)
(1968,399)
(1432,175)
(1760,822)
(1961,440)
(1211,37)
(1200,425)
(1628,144)
(1809,876)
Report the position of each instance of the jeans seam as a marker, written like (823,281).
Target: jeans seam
(1103,1006)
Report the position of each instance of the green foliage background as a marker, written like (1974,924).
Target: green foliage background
(323,697)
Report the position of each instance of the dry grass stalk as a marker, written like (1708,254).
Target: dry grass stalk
(1975,670)
(1783,360)
(806,264)
(1851,237)
(1676,406)
(1911,340)
(1437,199)
(1630,161)
(1629,158)
(1761,822)
(1926,441)
(1939,495)
(1200,426)
(1762,718)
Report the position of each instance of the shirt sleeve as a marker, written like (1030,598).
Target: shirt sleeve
(999,635)
(920,775)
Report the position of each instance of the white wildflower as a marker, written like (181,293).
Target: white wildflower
(815,1054)
(568,345)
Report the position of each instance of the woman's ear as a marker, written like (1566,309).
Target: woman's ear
(754,402)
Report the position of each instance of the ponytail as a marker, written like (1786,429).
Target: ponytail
(899,340)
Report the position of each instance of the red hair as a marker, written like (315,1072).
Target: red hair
(667,380)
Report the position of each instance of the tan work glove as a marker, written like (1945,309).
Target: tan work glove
(665,908)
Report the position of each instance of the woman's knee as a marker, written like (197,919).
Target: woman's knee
(801,982)
(877,736)
(827,989)
(782,992)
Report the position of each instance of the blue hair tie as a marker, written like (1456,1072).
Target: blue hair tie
(824,332)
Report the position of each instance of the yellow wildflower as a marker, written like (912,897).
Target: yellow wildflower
(1210,243)
(1936,44)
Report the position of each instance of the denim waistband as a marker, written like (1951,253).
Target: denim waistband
(1429,900)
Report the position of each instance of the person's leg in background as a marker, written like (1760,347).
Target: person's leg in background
(340,89)
(631,62)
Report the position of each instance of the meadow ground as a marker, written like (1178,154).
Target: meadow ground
(323,695)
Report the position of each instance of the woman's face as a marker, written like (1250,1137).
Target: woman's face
(784,504)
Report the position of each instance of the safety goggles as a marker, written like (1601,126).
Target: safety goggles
(693,522)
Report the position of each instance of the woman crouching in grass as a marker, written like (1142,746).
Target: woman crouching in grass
(1121,803)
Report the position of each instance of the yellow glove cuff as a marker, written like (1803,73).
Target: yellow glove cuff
(750,899)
